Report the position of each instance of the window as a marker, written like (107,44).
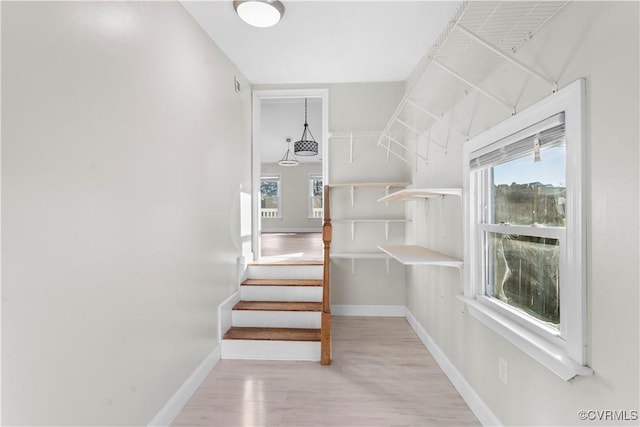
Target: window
(524,260)
(270,197)
(315,196)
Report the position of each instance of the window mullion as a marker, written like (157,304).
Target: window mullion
(548,232)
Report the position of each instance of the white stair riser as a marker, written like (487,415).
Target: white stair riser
(284,272)
(281,293)
(270,350)
(276,319)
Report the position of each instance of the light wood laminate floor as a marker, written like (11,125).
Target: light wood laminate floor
(381,375)
(290,246)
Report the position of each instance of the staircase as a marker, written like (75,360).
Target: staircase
(279,314)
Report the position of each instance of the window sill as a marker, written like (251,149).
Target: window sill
(547,354)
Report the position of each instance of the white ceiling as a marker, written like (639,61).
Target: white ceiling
(328,41)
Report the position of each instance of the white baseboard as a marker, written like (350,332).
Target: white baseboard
(174,405)
(476,404)
(368,310)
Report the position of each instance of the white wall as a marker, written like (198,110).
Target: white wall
(597,41)
(363,108)
(294,198)
(120,206)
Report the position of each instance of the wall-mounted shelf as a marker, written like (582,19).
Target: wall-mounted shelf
(418,255)
(386,223)
(353,185)
(353,256)
(420,193)
(370,185)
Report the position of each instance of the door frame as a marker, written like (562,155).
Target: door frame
(257,97)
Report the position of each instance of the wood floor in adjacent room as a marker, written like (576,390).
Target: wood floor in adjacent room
(277,247)
(381,375)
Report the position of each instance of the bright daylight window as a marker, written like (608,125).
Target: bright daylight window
(522,222)
(315,196)
(525,233)
(270,197)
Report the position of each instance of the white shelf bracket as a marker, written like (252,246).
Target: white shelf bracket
(438,119)
(353,266)
(351,148)
(353,190)
(441,218)
(395,141)
(386,230)
(390,151)
(426,216)
(523,67)
(475,86)
(408,126)
(353,230)
(388,148)
(386,193)
(436,142)
(387,127)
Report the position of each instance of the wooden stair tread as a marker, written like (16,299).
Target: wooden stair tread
(282,282)
(272,334)
(278,306)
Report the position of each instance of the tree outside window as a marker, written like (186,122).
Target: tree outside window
(270,197)
(315,196)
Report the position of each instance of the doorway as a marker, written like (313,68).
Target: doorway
(287,200)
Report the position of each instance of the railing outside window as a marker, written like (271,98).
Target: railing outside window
(269,213)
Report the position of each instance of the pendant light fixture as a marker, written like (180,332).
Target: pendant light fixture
(305,146)
(259,13)
(288,159)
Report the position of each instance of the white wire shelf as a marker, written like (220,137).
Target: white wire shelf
(482,36)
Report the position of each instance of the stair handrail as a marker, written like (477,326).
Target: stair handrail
(325,329)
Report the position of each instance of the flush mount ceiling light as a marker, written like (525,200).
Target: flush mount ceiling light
(288,159)
(306,146)
(259,13)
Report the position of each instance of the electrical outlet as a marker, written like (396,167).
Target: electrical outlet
(503,370)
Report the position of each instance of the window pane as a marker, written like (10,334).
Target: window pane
(526,192)
(524,272)
(269,198)
(315,196)
(317,186)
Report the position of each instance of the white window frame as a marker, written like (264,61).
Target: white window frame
(562,352)
(312,176)
(278,179)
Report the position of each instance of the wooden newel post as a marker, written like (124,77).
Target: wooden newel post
(325,331)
